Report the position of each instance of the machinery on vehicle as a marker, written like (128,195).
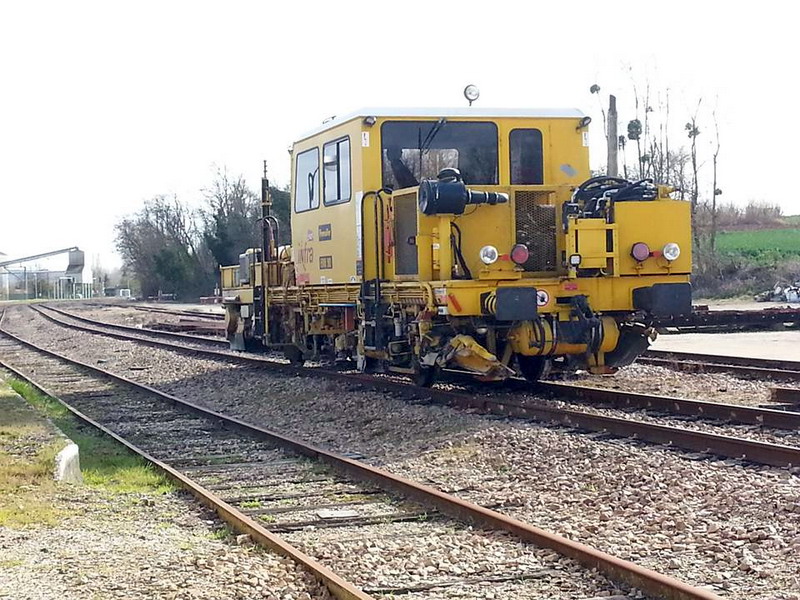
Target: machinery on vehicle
(472,239)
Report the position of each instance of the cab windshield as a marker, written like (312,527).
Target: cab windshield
(415,150)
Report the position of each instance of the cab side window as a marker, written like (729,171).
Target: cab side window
(336,163)
(527,159)
(306,181)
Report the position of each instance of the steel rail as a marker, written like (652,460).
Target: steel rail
(766,363)
(238,521)
(734,413)
(136,330)
(178,312)
(617,569)
(697,441)
(786,395)
(782,370)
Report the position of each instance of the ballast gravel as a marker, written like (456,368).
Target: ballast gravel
(140,546)
(712,387)
(732,527)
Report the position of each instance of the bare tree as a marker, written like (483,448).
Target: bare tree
(693,131)
(715,191)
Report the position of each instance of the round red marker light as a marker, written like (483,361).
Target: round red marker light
(640,251)
(520,254)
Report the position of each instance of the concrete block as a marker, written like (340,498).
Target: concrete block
(68,464)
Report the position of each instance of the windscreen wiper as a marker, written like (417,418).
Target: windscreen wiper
(424,147)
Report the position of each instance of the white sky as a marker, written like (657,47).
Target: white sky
(106,104)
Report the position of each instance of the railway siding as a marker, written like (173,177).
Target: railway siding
(755,446)
(523,572)
(608,492)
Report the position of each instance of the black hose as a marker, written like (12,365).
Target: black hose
(459,255)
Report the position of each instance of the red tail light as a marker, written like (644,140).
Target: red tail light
(520,254)
(640,251)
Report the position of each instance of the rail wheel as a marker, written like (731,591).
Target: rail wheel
(531,367)
(424,376)
(294,355)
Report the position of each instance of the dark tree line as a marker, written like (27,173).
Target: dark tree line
(174,249)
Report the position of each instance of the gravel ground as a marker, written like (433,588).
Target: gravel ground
(376,561)
(718,523)
(107,545)
(494,565)
(135,546)
(123,314)
(714,387)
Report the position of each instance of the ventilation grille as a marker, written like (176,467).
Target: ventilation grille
(536,228)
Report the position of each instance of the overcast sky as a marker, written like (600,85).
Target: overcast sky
(106,104)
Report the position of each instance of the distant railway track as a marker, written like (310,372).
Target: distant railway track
(181,313)
(141,331)
(504,404)
(269,483)
(779,370)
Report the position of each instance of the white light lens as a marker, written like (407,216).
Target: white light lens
(574,260)
(489,255)
(471,92)
(671,251)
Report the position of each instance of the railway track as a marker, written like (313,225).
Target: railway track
(181,313)
(141,331)
(265,484)
(779,370)
(694,440)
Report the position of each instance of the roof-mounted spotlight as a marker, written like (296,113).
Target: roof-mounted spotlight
(369,121)
(583,123)
(471,93)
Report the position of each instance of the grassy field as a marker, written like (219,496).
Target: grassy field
(761,243)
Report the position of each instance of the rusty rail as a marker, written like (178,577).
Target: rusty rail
(696,441)
(785,395)
(240,522)
(651,582)
(136,330)
(780,370)
(733,413)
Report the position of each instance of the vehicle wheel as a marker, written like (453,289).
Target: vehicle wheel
(367,364)
(252,344)
(531,367)
(294,355)
(424,376)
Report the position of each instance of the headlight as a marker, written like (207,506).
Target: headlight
(640,251)
(671,251)
(488,255)
(575,260)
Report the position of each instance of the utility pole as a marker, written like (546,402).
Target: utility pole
(611,137)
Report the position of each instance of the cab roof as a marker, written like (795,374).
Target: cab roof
(491,113)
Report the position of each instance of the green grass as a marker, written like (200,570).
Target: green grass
(7,564)
(222,534)
(766,244)
(104,463)
(26,466)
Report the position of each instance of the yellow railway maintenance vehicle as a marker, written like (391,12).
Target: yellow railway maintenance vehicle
(472,239)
